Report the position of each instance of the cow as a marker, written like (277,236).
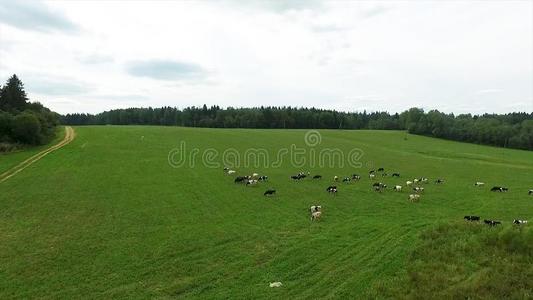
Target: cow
(315,208)
(298,176)
(530,192)
(381,169)
(499,189)
(415,180)
(275,284)
(226,169)
(240,179)
(316,215)
(372,175)
(395,174)
(479,183)
(398,188)
(254,175)
(491,222)
(408,183)
(384,174)
(335,178)
(332,189)
(519,222)
(371,171)
(269,192)
(262,178)
(414,197)
(418,189)
(439,181)
(424,180)
(471,218)
(317,177)
(346,179)
(379,187)
(230,172)
(356,177)
(251,182)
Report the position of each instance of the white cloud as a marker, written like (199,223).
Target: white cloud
(347,55)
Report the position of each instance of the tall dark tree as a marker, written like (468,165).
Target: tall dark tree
(12,96)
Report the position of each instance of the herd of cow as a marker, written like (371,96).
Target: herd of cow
(415,185)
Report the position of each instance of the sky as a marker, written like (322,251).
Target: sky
(91,56)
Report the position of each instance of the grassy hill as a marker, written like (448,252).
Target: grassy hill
(107,216)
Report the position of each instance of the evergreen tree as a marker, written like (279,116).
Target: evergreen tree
(12,96)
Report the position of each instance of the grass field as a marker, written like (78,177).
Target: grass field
(107,217)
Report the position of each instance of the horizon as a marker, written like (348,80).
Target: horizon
(466,57)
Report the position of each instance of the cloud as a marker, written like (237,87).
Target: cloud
(166,70)
(121,97)
(375,11)
(328,28)
(96,59)
(488,91)
(55,86)
(34,15)
(278,6)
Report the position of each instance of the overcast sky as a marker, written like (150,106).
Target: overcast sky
(90,56)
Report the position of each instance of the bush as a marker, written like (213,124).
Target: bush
(6,121)
(27,128)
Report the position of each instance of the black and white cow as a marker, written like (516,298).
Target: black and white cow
(379,187)
(471,218)
(491,222)
(381,169)
(439,181)
(479,183)
(499,189)
(317,177)
(418,189)
(395,174)
(251,182)
(356,177)
(346,179)
(269,192)
(262,178)
(315,208)
(530,192)
(240,179)
(332,189)
(519,222)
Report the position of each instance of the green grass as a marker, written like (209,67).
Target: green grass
(107,217)
(11,159)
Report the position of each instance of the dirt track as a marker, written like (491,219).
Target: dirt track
(69,136)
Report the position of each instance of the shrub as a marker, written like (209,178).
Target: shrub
(26,128)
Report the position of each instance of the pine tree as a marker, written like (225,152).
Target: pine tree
(12,96)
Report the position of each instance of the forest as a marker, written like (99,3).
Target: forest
(512,130)
(23,122)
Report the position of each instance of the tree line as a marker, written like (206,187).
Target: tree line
(21,121)
(513,130)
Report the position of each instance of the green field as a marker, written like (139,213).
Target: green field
(106,216)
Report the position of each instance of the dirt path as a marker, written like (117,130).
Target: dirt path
(69,136)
